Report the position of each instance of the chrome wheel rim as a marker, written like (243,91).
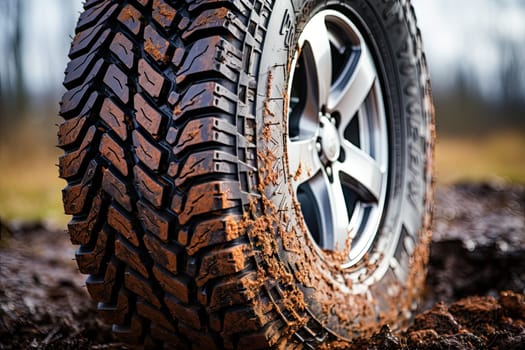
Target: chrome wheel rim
(337,139)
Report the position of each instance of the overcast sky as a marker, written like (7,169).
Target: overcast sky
(455,32)
(470,33)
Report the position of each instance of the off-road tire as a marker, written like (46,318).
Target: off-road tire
(178,185)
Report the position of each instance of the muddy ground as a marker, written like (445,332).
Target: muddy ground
(474,300)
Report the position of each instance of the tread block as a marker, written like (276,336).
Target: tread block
(155,45)
(96,13)
(204,97)
(211,54)
(117,81)
(141,287)
(163,13)
(113,153)
(189,314)
(89,259)
(114,118)
(179,286)
(131,18)
(156,223)
(182,237)
(131,256)
(173,169)
(221,263)
(131,333)
(72,98)
(116,189)
(244,320)
(90,3)
(77,68)
(205,163)
(178,55)
(216,20)
(209,197)
(80,229)
(69,131)
(233,291)
(183,23)
(156,316)
(100,288)
(206,130)
(148,154)
(264,339)
(171,341)
(203,4)
(210,232)
(115,314)
(148,117)
(215,322)
(70,163)
(122,47)
(85,39)
(160,253)
(122,224)
(74,196)
(148,188)
(199,339)
(149,79)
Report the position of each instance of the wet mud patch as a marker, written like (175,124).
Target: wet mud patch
(470,323)
(43,301)
(477,270)
(478,243)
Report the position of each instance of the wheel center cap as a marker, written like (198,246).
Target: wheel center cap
(330,143)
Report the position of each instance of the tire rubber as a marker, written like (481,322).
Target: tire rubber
(177,180)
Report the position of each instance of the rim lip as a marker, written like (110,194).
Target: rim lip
(383,142)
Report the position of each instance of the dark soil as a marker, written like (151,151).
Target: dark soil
(475,289)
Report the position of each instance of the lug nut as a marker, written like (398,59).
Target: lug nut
(318,146)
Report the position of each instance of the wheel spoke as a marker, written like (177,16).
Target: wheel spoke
(355,222)
(315,46)
(350,95)
(331,207)
(363,173)
(308,122)
(303,160)
(339,214)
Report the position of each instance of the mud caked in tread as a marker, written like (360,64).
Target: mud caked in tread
(163,165)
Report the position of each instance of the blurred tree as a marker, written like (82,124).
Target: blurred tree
(13,92)
(511,73)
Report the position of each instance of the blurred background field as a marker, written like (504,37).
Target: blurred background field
(476,59)
(29,183)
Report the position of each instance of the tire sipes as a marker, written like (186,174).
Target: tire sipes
(178,183)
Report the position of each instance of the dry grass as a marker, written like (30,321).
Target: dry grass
(29,185)
(498,156)
(31,190)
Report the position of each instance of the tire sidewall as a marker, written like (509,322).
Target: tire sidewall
(383,280)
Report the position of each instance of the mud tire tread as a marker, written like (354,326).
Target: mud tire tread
(129,108)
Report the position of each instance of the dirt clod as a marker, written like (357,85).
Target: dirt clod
(470,323)
(43,301)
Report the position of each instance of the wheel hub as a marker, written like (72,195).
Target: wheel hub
(329,139)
